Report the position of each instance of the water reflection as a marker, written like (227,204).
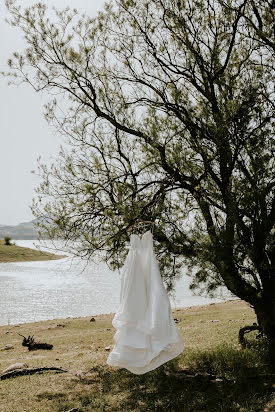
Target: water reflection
(34,291)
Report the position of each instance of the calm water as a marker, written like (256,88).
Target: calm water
(34,291)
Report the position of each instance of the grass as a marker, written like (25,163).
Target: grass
(210,337)
(13,253)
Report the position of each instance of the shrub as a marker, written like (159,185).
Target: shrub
(7,240)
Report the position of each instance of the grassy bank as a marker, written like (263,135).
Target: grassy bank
(13,253)
(210,337)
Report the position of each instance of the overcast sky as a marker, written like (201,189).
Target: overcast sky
(24,133)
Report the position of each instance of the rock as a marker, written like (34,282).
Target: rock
(92,320)
(80,374)
(73,410)
(7,347)
(15,366)
(107,348)
(176,320)
(108,329)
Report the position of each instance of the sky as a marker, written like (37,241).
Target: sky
(24,133)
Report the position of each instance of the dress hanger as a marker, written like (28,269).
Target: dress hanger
(142,223)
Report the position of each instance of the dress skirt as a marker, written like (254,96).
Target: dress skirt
(146,334)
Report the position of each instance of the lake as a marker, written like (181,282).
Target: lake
(34,291)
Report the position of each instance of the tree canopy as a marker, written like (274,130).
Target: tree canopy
(168,108)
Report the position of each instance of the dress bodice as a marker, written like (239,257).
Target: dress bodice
(141,243)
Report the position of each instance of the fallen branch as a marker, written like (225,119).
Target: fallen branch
(30,371)
(204,377)
(32,345)
(198,376)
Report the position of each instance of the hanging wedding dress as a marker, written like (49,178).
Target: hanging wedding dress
(146,335)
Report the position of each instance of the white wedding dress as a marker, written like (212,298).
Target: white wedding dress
(146,335)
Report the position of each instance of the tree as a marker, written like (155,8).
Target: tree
(168,108)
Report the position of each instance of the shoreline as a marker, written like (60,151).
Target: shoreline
(16,254)
(111,314)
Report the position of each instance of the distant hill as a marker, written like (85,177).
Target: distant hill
(24,230)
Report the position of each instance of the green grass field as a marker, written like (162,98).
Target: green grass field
(211,346)
(13,253)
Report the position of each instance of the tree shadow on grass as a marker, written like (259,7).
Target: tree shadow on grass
(159,392)
(241,385)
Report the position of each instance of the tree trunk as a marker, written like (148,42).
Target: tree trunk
(265,312)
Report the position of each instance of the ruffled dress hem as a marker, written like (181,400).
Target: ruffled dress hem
(160,356)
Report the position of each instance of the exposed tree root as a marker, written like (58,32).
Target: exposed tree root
(247,329)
